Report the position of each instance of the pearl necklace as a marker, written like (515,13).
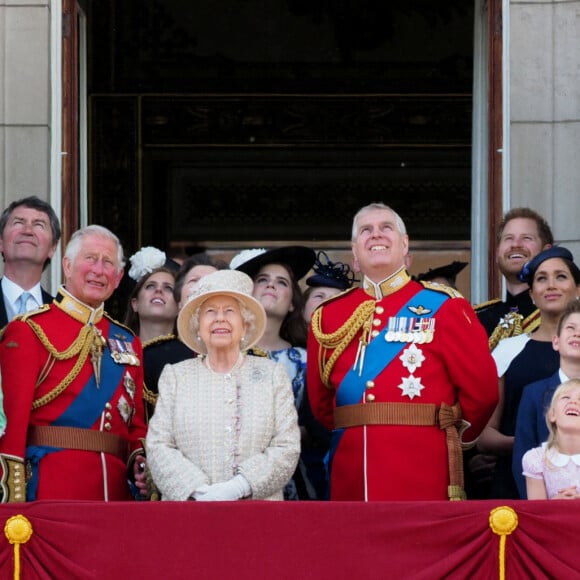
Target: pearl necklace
(227,374)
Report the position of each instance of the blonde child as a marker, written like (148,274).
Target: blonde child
(552,471)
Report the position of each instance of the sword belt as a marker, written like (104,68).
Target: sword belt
(77,438)
(415,414)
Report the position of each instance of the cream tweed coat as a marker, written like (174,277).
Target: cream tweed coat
(208,427)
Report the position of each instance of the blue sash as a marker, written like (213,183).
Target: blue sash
(378,356)
(90,402)
(87,406)
(380,353)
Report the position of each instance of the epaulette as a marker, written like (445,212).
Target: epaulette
(114,321)
(31,313)
(451,292)
(486,304)
(339,295)
(158,340)
(531,322)
(509,325)
(255,351)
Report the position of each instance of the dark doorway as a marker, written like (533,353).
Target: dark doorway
(244,120)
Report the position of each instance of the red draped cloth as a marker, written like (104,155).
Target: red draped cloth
(294,540)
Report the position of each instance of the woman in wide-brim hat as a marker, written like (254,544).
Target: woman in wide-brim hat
(554,280)
(276,274)
(224,427)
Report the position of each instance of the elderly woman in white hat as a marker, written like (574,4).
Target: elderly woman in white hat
(225,426)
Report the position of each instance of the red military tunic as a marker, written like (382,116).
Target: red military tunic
(48,379)
(402,462)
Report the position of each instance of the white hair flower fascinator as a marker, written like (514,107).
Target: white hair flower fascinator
(145,261)
(245,256)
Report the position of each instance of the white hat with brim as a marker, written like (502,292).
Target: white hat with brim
(231,283)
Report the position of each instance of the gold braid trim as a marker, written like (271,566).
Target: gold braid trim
(532,322)
(509,325)
(71,351)
(340,338)
(158,339)
(149,396)
(81,346)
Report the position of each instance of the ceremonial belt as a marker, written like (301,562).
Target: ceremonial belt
(77,438)
(415,414)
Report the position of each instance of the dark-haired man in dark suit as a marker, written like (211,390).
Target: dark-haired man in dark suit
(29,233)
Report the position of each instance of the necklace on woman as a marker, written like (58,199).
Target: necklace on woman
(235,366)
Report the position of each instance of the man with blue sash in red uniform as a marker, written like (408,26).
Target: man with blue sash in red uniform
(397,369)
(73,381)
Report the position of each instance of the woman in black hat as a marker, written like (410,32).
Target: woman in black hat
(554,280)
(276,274)
(329,279)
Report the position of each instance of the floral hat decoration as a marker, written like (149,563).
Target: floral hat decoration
(146,260)
(330,274)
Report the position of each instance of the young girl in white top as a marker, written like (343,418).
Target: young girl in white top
(552,471)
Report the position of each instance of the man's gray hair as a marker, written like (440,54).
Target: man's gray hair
(374,206)
(74,245)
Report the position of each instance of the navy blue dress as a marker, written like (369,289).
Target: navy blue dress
(537,360)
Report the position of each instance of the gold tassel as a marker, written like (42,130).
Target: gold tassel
(18,530)
(503,521)
(97,348)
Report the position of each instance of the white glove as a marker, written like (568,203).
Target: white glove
(235,488)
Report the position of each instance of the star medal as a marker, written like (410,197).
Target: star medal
(125,409)
(411,387)
(412,358)
(129,384)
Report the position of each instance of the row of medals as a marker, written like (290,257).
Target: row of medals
(123,353)
(403,329)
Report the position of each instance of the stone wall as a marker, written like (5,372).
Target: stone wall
(24,99)
(545,113)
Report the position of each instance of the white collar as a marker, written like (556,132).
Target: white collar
(561,459)
(12,292)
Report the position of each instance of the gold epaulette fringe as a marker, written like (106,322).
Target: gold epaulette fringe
(509,325)
(81,346)
(485,304)
(532,321)
(158,340)
(340,338)
(443,288)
